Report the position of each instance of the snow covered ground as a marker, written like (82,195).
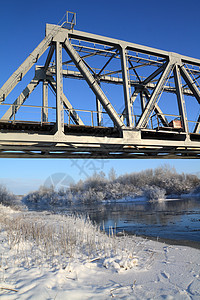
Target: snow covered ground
(44,256)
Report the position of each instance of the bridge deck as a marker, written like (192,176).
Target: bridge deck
(162,133)
(50,128)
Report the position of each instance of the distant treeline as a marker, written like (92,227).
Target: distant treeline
(153,184)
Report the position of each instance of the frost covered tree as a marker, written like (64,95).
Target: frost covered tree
(112,175)
(6,198)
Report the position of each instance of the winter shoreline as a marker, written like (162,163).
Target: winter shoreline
(128,267)
(172,242)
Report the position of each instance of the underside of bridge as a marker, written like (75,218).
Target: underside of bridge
(100,98)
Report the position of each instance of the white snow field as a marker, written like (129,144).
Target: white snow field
(45,256)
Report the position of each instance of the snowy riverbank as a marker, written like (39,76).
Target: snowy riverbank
(44,256)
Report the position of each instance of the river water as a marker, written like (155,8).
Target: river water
(177,220)
(171,219)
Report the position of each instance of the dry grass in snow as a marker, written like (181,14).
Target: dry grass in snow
(44,256)
(43,238)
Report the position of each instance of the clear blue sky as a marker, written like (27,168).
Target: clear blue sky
(168,25)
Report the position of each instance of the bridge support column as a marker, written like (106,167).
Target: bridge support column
(59,89)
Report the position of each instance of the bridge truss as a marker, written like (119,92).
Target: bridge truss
(142,102)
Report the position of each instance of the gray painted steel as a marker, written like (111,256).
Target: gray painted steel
(143,72)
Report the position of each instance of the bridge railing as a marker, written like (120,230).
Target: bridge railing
(174,121)
(192,125)
(89,117)
(47,115)
(165,121)
(27,113)
(10,113)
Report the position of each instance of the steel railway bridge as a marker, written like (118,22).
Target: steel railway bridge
(100,98)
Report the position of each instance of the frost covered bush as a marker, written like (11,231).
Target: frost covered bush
(154,193)
(46,196)
(91,195)
(174,183)
(117,190)
(163,177)
(6,197)
(97,181)
(196,191)
(94,191)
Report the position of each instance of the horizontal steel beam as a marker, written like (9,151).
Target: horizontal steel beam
(130,138)
(118,80)
(131,145)
(97,155)
(85,36)
(89,156)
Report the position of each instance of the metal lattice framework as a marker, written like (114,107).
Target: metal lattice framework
(146,118)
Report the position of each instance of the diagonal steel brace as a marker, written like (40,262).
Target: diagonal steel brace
(154,97)
(92,82)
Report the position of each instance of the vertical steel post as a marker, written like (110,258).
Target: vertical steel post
(197,126)
(92,118)
(45,102)
(193,87)
(99,112)
(157,121)
(151,123)
(142,100)
(126,86)
(69,113)
(14,114)
(59,89)
(180,99)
